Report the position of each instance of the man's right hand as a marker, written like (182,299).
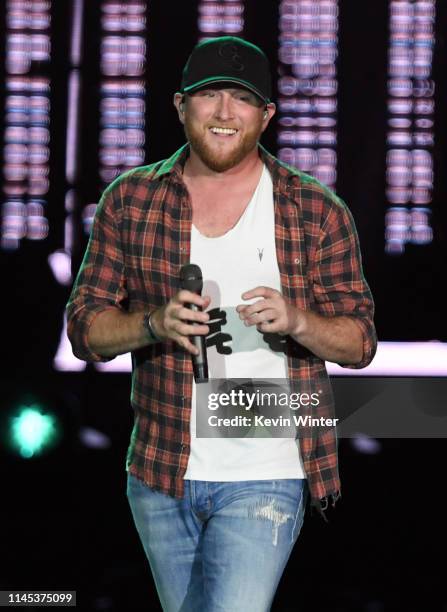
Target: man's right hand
(175,321)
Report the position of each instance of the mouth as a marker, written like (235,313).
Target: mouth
(223,131)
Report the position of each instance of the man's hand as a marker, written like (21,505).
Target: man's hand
(272,313)
(176,322)
(338,338)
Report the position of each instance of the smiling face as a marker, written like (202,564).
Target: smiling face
(223,125)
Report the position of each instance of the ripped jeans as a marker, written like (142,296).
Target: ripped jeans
(224,546)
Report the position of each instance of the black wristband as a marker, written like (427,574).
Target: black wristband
(148,327)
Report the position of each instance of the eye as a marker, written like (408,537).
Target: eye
(243,97)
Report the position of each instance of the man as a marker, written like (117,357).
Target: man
(218,518)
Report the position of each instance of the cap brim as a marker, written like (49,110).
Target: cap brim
(211,80)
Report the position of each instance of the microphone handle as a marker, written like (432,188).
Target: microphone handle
(199,362)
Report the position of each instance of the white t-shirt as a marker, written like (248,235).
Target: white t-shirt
(241,259)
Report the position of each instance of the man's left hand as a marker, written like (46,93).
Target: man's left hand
(272,313)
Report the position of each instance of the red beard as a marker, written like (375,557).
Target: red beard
(213,157)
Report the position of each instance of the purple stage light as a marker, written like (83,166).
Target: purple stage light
(220,18)
(308,85)
(411,110)
(27,118)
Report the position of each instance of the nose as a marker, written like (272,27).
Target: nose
(224,108)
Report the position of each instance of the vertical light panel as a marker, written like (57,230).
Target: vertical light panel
(26,152)
(410,138)
(60,260)
(307,87)
(123,92)
(221,18)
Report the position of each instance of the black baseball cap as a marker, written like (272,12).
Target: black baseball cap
(228,59)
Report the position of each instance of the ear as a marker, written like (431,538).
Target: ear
(268,113)
(179,105)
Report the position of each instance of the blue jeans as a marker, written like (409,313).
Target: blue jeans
(224,546)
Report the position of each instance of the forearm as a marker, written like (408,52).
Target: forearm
(337,339)
(114,332)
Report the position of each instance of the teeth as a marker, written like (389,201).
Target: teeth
(220,130)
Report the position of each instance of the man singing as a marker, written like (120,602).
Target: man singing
(283,292)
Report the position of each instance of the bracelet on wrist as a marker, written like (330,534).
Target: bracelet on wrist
(147,324)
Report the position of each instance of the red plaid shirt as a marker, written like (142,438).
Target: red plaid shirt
(139,241)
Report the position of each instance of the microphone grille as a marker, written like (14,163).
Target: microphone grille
(191,278)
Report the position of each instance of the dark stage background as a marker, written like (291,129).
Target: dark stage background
(64,519)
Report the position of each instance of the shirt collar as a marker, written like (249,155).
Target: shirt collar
(280,173)
(175,163)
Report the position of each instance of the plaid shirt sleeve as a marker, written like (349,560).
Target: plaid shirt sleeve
(339,285)
(100,284)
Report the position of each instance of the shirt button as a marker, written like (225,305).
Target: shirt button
(297,261)
(183,446)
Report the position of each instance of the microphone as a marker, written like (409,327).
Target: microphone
(191,279)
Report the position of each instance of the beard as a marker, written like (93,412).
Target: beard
(213,157)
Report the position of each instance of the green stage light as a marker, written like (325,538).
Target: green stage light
(33,431)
